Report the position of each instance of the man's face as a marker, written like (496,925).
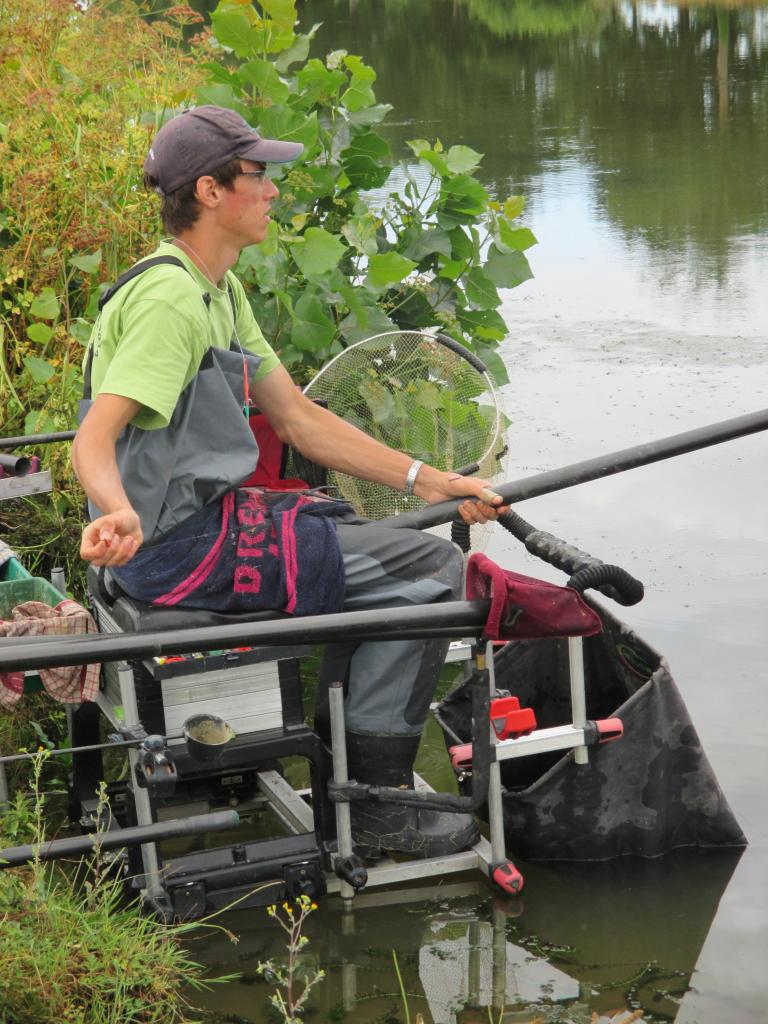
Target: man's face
(246,205)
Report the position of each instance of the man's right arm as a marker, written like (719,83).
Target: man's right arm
(116,535)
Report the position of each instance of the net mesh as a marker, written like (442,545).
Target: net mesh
(414,393)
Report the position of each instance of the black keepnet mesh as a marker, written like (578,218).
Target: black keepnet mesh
(647,793)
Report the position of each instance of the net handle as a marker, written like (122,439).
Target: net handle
(442,339)
(462,351)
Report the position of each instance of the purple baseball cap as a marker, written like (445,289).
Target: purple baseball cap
(198,141)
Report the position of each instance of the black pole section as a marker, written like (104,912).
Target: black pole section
(78,846)
(16,442)
(19,465)
(467,617)
(596,469)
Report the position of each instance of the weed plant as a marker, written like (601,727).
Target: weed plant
(73,951)
(85,87)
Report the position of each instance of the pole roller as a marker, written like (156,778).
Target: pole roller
(466,617)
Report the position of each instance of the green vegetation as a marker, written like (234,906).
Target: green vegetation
(83,91)
(72,951)
(359,244)
(295,980)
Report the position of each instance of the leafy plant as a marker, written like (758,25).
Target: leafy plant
(84,86)
(296,979)
(359,244)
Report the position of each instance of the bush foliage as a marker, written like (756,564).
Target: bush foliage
(360,243)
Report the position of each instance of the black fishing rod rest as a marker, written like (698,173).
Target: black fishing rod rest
(257,691)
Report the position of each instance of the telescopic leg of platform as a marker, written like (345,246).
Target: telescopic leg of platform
(503,871)
(495,807)
(152,881)
(578,693)
(340,775)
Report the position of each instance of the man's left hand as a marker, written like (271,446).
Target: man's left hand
(447,486)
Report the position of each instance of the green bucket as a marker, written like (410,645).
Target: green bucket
(33,588)
(18,586)
(13,570)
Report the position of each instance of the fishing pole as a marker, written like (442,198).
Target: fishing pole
(595,469)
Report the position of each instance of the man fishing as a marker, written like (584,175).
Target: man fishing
(175,361)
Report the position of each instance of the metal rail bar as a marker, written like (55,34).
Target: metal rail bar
(465,618)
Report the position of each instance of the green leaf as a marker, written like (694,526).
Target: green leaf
(359,94)
(365,161)
(419,243)
(298,51)
(428,395)
(378,399)
(262,75)
(89,263)
(282,12)
(45,306)
(263,264)
(317,251)
(461,159)
(312,329)
(280,122)
(360,232)
(80,329)
(514,206)
(462,201)
(369,115)
(219,95)
(41,333)
(481,291)
(39,370)
(418,146)
(512,239)
(388,268)
(506,269)
(436,160)
(496,365)
(312,183)
(356,327)
(317,82)
(236,27)
(482,323)
(464,247)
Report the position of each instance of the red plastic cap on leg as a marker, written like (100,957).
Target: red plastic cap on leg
(507,877)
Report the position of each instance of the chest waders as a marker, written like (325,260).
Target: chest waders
(207,448)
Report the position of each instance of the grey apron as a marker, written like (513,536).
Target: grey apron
(206,449)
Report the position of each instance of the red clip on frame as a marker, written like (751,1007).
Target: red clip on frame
(461,757)
(609,729)
(509,720)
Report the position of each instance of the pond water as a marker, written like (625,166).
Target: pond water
(639,135)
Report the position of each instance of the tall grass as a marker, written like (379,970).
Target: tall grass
(72,950)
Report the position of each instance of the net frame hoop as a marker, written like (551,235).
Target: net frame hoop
(447,342)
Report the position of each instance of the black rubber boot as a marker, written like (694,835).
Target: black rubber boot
(379,828)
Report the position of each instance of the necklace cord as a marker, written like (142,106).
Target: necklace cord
(246,384)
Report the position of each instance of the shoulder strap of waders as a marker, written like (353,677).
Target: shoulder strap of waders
(134,271)
(125,277)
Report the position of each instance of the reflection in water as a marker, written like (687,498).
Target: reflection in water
(665,107)
(461,951)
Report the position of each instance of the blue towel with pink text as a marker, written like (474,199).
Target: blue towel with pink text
(253,550)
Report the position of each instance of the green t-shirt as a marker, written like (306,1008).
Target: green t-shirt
(151,336)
